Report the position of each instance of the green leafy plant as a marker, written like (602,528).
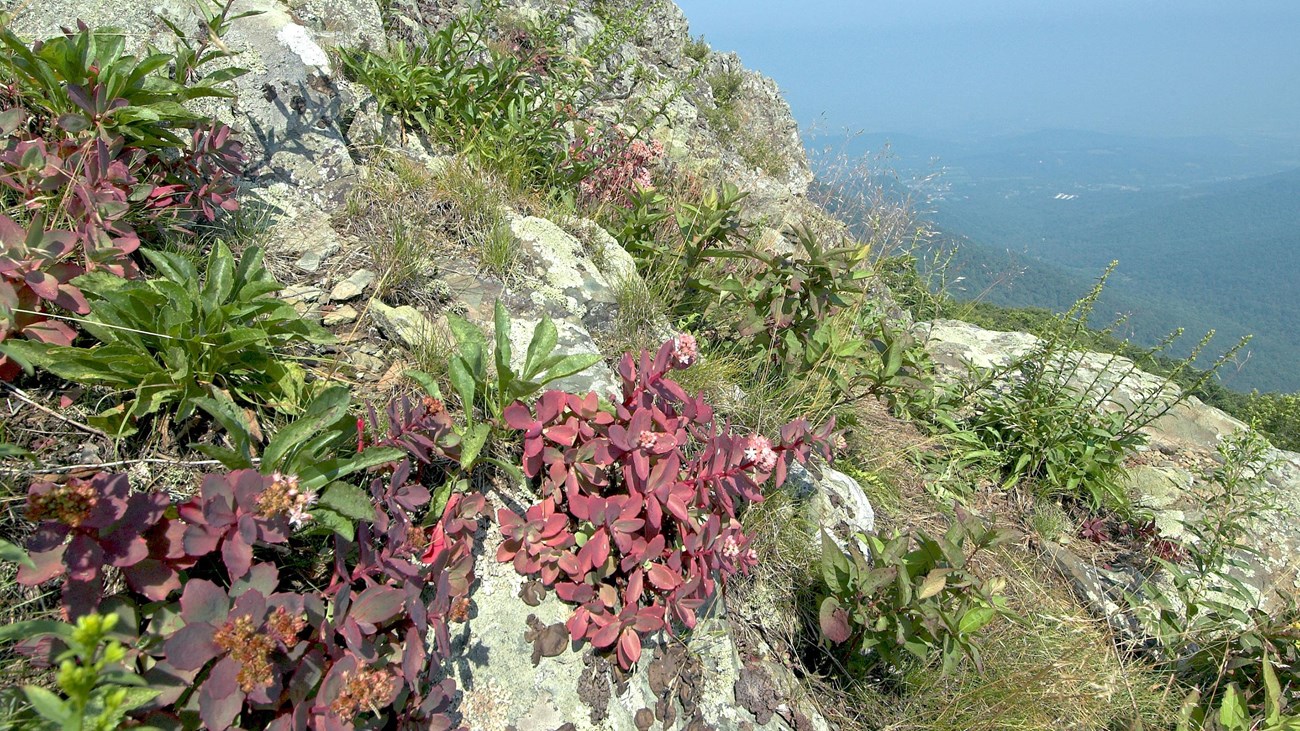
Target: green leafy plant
(167,344)
(487,383)
(85,81)
(505,104)
(909,596)
(1062,422)
(1234,712)
(1212,628)
(98,691)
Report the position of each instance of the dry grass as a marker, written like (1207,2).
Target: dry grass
(1056,667)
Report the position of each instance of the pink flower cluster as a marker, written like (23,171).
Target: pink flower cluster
(615,166)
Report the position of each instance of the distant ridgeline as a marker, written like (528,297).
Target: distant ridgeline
(1206,232)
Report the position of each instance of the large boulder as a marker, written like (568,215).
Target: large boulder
(1170,475)
(517,668)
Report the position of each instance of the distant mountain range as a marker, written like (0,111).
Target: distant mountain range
(1206,230)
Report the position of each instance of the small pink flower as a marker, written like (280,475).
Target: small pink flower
(759,451)
(646,440)
(685,351)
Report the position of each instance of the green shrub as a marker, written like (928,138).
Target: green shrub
(697,48)
(910,596)
(504,103)
(1212,628)
(85,81)
(165,344)
(1063,431)
(96,688)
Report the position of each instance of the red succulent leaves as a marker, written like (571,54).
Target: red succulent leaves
(637,517)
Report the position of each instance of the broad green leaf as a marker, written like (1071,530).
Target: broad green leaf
(463,383)
(836,571)
(568,366)
(347,500)
(48,705)
(35,628)
(10,552)
(975,619)
(545,337)
(473,438)
(326,520)
(317,474)
(326,410)
(426,382)
(1232,710)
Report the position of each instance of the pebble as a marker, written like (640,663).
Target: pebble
(342,316)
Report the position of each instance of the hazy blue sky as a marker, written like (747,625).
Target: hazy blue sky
(1167,67)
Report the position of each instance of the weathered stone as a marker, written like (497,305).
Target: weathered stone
(505,683)
(301,293)
(312,260)
(404,324)
(832,501)
(353,286)
(341,316)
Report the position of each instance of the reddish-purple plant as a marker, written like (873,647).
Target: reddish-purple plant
(611,166)
(278,649)
(1094,529)
(32,273)
(637,521)
(104,191)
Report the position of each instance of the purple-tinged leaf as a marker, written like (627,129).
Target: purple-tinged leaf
(377,605)
(220,699)
(834,621)
(204,601)
(192,646)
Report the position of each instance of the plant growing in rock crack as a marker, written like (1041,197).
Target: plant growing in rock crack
(172,345)
(637,525)
(909,596)
(1212,628)
(489,389)
(1066,431)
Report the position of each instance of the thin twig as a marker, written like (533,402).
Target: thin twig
(22,396)
(119,463)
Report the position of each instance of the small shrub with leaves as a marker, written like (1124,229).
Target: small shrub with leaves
(1235,709)
(1064,430)
(909,596)
(1212,627)
(504,104)
(96,691)
(167,344)
(637,522)
(97,146)
(230,632)
(490,387)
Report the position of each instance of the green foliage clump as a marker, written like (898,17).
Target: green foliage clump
(97,690)
(507,100)
(910,596)
(1211,626)
(1063,430)
(170,345)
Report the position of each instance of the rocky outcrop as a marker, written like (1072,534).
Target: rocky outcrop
(1168,475)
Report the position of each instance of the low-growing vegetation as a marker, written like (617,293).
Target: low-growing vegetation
(315,573)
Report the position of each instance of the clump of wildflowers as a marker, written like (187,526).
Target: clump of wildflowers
(285,497)
(613,166)
(69,504)
(685,351)
(363,690)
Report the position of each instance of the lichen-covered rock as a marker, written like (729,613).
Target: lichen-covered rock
(832,501)
(517,668)
(1170,478)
